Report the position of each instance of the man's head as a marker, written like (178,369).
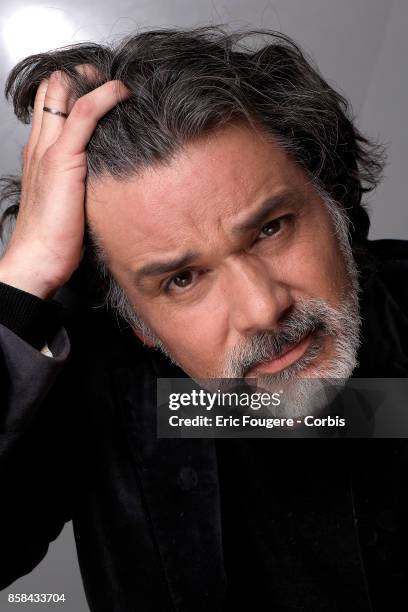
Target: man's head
(224,199)
(231,256)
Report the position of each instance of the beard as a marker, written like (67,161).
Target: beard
(325,377)
(311,382)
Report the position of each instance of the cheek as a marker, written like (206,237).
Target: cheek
(313,267)
(194,334)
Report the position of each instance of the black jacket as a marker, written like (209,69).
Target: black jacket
(78,441)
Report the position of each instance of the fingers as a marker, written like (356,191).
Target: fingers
(56,97)
(74,132)
(91,73)
(36,118)
(86,113)
(53,93)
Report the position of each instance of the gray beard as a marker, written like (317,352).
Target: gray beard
(308,395)
(302,395)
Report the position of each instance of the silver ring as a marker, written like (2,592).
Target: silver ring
(54,111)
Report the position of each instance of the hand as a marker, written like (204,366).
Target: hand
(46,245)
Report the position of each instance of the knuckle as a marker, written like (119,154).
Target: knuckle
(84,107)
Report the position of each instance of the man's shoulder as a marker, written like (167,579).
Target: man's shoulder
(389,268)
(383,266)
(389,249)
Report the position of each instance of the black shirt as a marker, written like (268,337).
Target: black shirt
(289,507)
(289,535)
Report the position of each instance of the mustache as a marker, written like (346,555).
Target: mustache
(311,316)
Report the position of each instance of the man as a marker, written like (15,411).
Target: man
(222,189)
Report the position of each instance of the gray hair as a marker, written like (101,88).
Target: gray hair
(188,82)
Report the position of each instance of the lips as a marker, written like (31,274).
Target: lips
(285,359)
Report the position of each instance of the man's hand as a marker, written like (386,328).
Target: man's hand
(45,247)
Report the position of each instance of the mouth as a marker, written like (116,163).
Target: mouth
(285,359)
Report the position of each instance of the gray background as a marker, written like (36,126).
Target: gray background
(361,48)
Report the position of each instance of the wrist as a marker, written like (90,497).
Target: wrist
(26,278)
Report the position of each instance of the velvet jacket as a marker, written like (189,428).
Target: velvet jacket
(78,442)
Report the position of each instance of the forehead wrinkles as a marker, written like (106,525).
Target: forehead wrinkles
(197,217)
(190,203)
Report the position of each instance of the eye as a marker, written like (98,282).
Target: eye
(181,280)
(274,226)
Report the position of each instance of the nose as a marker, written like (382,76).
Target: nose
(258,299)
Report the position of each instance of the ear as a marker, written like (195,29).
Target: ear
(144,339)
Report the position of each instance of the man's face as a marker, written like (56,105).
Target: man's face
(226,246)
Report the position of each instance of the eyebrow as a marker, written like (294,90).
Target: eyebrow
(264,211)
(158,268)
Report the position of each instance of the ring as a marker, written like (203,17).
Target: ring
(54,111)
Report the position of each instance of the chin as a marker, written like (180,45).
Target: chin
(308,390)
